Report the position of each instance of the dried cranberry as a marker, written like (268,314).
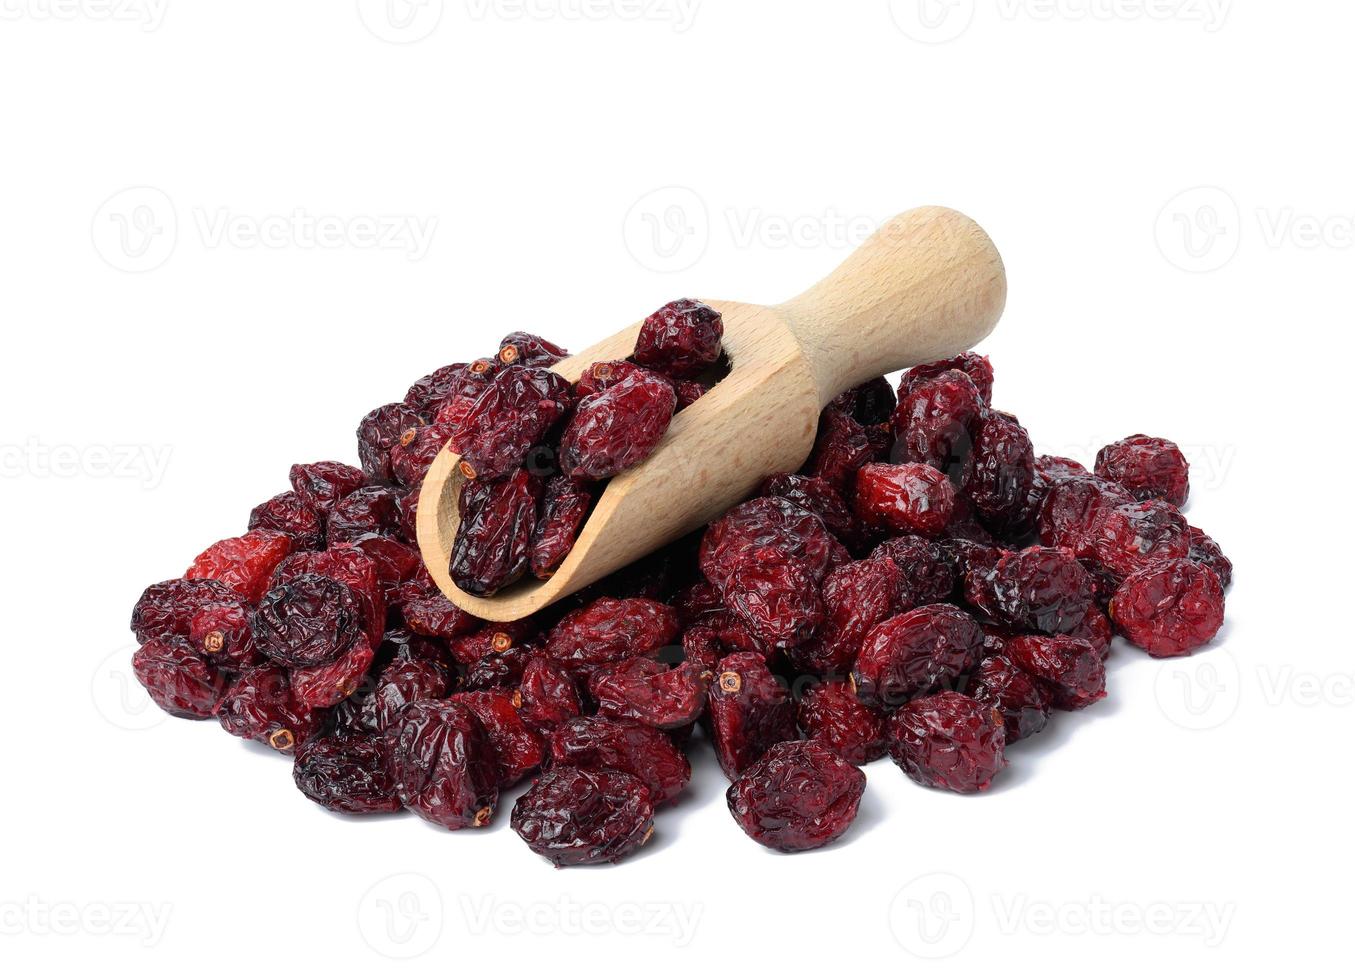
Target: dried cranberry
(428,612)
(565,506)
(618,428)
(548,695)
(443,765)
(325,685)
(936,420)
(777,597)
(396,563)
(625,746)
(243,563)
(1023,701)
(289,514)
(915,652)
(413,454)
(1095,629)
(799,796)
(530,350)
(911,498)
(819,498)
(427,394)
(498,671)
(463,392)
(1170,608)
(831,713)
(856,597)
(349,565)
(768,522)
(979,369)
(379,432)
(1147,467)
(491,638)
(681,340)
(1000,473)
(1041,589)
(167,608)
(370,510)
(871,403)
(714,636)
(582,816)
(493,542)
(221,633)
(600,376)
(512,414)
(346,774)
(647,691)
(517,749)
(949,741)
(307,621)
(1072,511)
(1132,536)
(840,449)
(403,682)
(608,630)
(929,571)
(1205,551)
(688,393)
(322,485)
(696,600)
(750,711)
(1071,668)
(178,678)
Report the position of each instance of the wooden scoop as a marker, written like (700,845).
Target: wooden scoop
(927,285)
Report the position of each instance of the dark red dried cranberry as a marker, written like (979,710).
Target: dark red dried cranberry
(428,612)
(911,498)
(322,485)
(871,403)
(949,741)
(259,706)
(413,454)
(618,428)
(493,542)
(349,565)
(221,633)
(492,638)
(688,393)
(443,766)
(1000,473)
(1023,701)
(565,506)
(583,816)
(512,414)
(979,369)
(647,691)
(457,404)
(840,449)
(681,340)
(929,570)
(819,498)
(777,597)
(1071,668)
(1205,551)
(750,711)
(346,774)
(831,713)
(768,522)
(1170,608)
(936,420)
(403,681)
(1072,511)
(856,598)
(625,746)
(913,653)
(517,748)
(370,510)
(530,350)
(178,678)
(1041,589)
(716,635)
(307,621)
(600,376)
(325,685)
(799,796)
(379,432)
(427,394)
(548,694)
(243,563)
(397,564)
(608,630)
(289,514)
(168,608)
(697,600)
(1147,467)
(499,671)
(1132,536)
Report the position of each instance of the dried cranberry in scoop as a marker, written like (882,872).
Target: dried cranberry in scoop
(511,415)
(565,506)
(949,741)
(618,428)
(681,340)
(584,816)
(1170,608)
(798,796)
(443,765)
(492,547)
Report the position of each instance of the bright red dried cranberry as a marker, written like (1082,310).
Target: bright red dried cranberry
(1023,701)
(681,340)
(413,454)
(403,681)
(512,414)
(1000,473)
(799,796)
(349,565)
(491,638)
(608,630)
(243,563)
(768,522)
(443,766)
(322,485)
(493,542)
(979,369)
(819,498)
(856,598)
(1071,668)
(871,403)
(1041,589)
(565,506)
(259,706)
(583,816)
(289,514)
(428,612)
(397,564)
(750,711)
(647,691)
(913,653)
(517,748)
(1072,511)
(911,498)
(1170,608)
(308,621)
(548,694)
(325,685)
(625,746)
(1095,629)
(929,571)
(936,420)
(346,774)
(1147,467)
(1205,551)
(840,449)
(178,678)
(168,608)
(775,596)
(618,428)
(831,713)
(379,432)
(529,350)
(1133,536)
(949,741)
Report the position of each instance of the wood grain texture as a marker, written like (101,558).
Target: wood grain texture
(928,285)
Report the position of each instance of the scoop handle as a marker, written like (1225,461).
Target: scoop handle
(927,285)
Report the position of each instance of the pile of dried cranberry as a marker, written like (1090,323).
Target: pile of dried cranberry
(926,587)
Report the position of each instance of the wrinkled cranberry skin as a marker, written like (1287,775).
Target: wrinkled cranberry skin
(856,597)
(750,711)
(403,681)
(443,766)
(911,498)
(929,572)
(244,563)
(1149,468)
(688,393)
(379,432)
(307,621)
(767,522)
(716,635)
(601,375)
(978,367)
(565,506)
(625,746)
(530,350)
(322,485)
(949,741)
(1205,551)
(427,394)
(1171,608)
(492,548)
(349,565)
(776,597)
(681,340)
(325,685)
(1000,473)
(797,797)
(370,510)
(618,428)
(1095,628)
(871,403)
(1040,589)
(413,455)
(645,690)
(1025,704)
(608,630)
(831,713)
(1072,669)
(498,671)
(936,420)
(289,514)
(840,450)
(462,393)
(548,695)
(1072,511)
(915,652)
(517,748)
(512,414)
(819,498)
(428,612)
(575,816)
(1132,536)
(167,608)
(178,678)
(259,706)
(346,774)
(491,638)
(221,633)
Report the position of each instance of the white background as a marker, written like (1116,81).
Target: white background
(176,337)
